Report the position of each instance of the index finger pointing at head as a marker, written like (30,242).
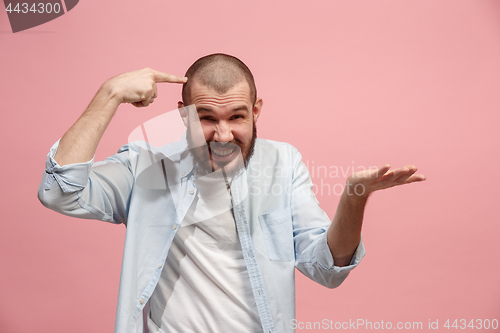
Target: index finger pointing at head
(164,77)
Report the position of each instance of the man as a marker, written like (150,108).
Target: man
(216,223)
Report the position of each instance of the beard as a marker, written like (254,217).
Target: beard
(203,155)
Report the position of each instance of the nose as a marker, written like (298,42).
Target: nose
(223,132)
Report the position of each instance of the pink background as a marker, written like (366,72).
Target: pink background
(349,83)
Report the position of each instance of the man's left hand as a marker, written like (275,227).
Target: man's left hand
(363,183)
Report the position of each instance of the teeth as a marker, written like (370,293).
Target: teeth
(222,152)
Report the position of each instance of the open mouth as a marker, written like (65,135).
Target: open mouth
(226,153)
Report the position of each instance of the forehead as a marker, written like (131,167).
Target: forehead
(205,95)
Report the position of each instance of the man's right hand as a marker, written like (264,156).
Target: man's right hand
(139,87)
(80,142)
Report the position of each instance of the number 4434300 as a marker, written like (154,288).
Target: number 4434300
(472,324)
(36,8)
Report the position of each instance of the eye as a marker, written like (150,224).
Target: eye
(207,118)
(237,116)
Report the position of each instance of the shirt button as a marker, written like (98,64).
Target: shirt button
(174,227)
(159,265)
(141,301)
(183,174)
(191,191)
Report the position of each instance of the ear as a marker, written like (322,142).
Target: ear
(183,113)
(257,108)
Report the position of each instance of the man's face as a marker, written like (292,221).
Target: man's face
(227,122)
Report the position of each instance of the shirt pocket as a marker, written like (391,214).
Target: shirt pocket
(277,231)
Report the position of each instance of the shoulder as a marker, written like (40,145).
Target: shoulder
(140,155)
(134,146)
(276,152)
(142,147)
(265,143)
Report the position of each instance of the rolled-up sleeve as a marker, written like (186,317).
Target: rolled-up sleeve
(92,190)
(325,261)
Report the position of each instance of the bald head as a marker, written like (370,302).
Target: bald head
(220,72)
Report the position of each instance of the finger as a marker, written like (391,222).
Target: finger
(396,173)
(379,173)
(412,179)
(165,77)
(415,178)
(392,175)
(401,176)
(404,175)
(155,91)
(138,104)
(145,101)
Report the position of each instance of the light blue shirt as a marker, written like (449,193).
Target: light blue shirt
(278,219)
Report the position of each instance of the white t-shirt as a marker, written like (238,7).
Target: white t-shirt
(204,285)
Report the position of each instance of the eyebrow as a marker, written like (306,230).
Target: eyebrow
(235,109)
